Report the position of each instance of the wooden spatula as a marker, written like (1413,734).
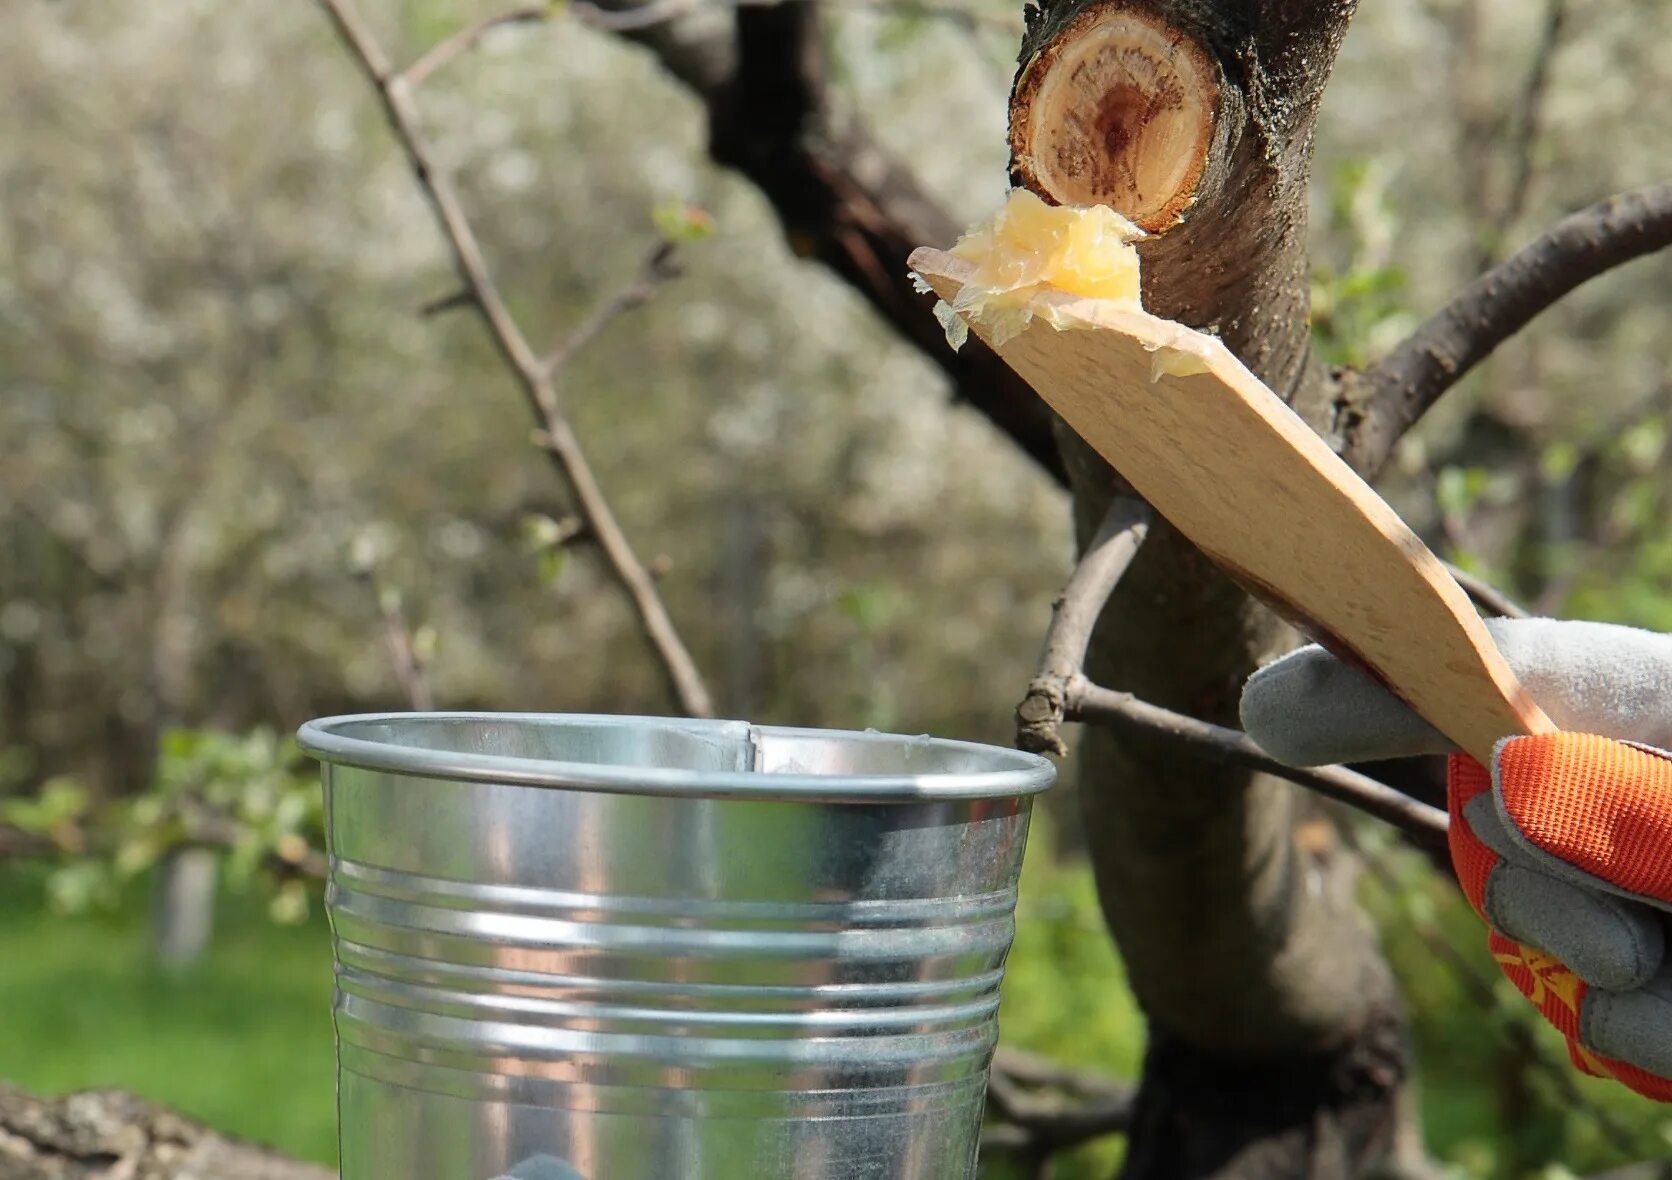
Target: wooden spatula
(1236,471)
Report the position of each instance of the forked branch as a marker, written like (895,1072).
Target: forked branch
(1039,717)
(1060,691)
(536,376)
(1400,388)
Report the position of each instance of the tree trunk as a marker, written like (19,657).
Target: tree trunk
(1276,1044)
(109,1135)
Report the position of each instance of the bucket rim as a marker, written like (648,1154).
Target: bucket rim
(1016,773)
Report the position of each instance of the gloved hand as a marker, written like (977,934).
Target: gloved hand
(1564,846)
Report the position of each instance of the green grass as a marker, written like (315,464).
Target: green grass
(242,1042)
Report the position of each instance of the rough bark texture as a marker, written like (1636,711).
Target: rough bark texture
(1275,1049)
(109,1135)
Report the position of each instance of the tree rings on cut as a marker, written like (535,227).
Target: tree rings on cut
(1116,109)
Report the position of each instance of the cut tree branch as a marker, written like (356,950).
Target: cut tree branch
(1395,392)
(535,377)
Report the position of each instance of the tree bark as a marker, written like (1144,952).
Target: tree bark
(1276,1043)
(110,1135)
(1277,1032)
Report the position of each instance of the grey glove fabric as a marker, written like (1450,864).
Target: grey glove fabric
(1310,709)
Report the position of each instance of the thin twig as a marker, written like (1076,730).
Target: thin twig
(1088,702)
(451,301)
(1615,528)
(1405,383)
(657,268)
(409,665)
(641,16)
(467,39)
(1074,616)
(1485,595)
(555,434)
(636,17)
(1531,110)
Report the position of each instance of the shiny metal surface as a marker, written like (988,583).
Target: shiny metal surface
(607,948)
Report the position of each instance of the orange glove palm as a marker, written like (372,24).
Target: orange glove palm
(1564,846)
(1594,812)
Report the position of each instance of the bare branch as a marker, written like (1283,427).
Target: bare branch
(1088,702)
(556,436)
(467,39)
(1061,692)
(1040,715)
(1485,595)
(1400,388)
(409,665)
(657,268)
(1531,108)
(637,17)
(1032,1069)
(448,302)
(1034,1127)
(845,201)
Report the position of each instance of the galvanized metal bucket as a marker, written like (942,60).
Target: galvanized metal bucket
(621,948)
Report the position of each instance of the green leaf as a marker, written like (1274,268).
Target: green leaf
(15,764)
(136,854)
(289,905)
(60,800)
(872,607)
(1558,460)
(682,223)
(80,886)
(1642,445)
(425,641)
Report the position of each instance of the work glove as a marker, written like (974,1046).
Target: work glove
(1563,846)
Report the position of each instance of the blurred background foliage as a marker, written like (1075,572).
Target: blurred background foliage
(231,439)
